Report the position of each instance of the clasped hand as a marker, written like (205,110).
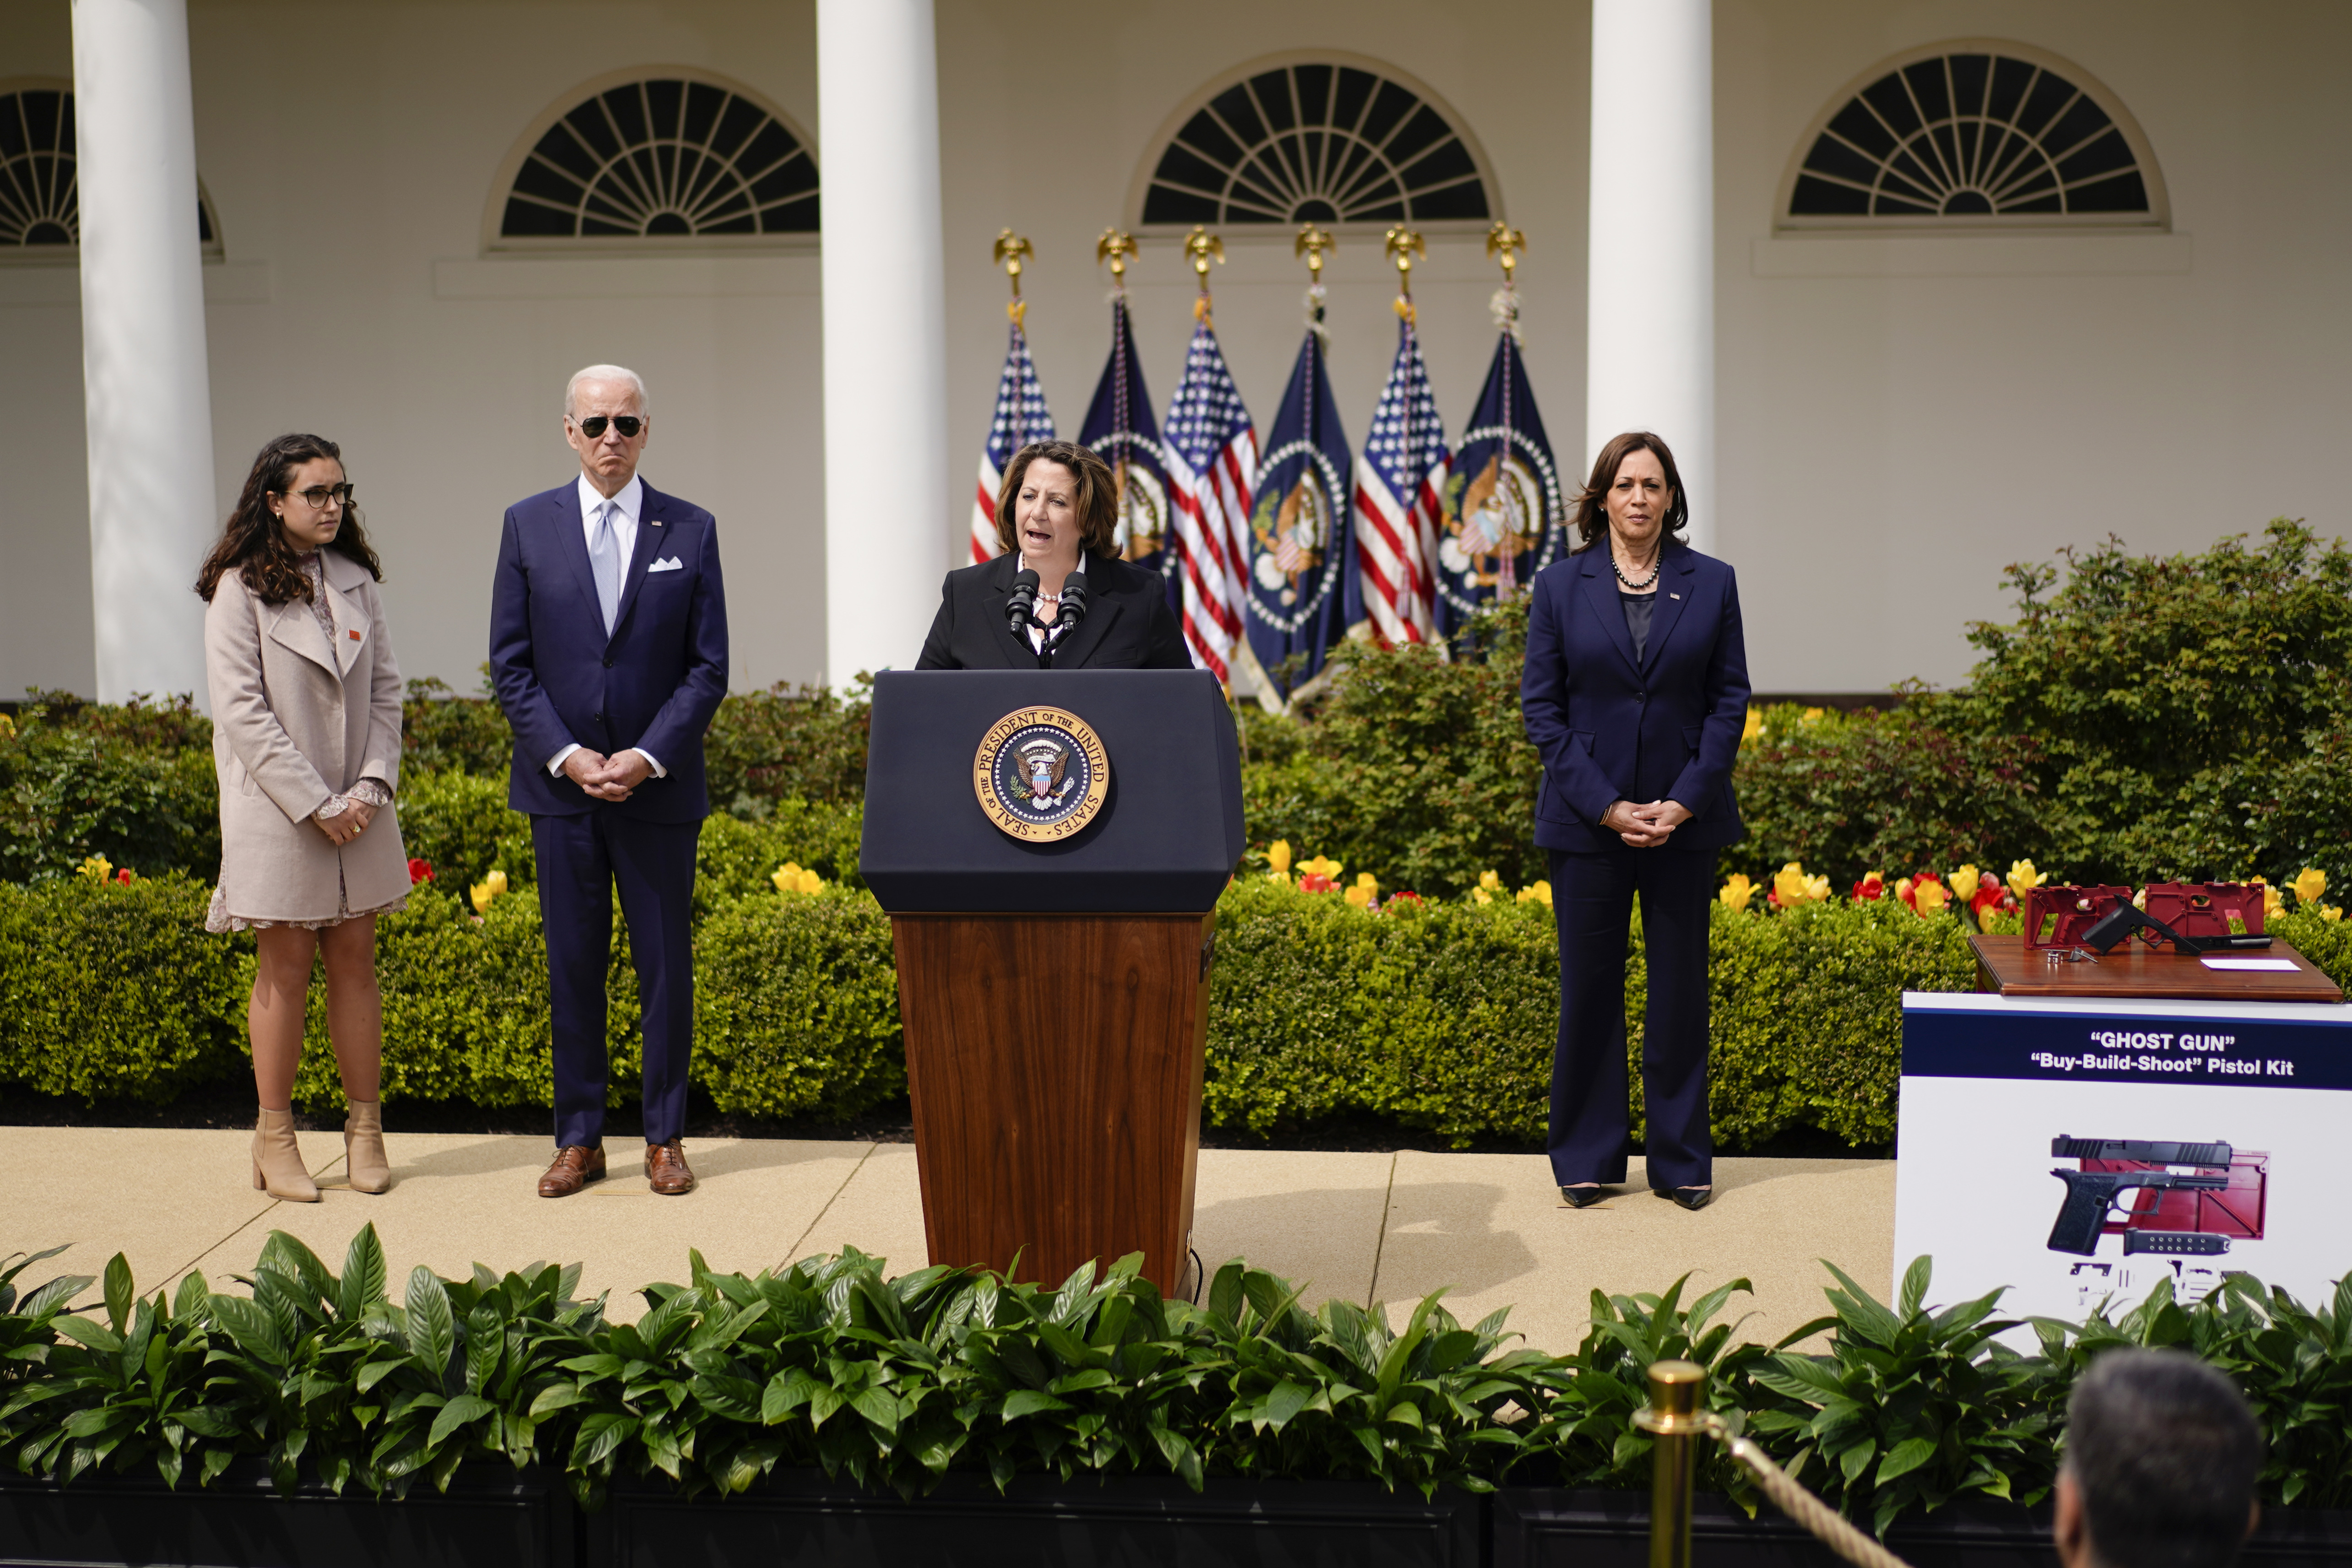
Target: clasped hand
(613,778)
(347,823)
(1644,826)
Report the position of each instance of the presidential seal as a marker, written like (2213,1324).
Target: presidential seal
(1041,773)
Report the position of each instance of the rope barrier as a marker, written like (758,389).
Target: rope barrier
(1674,1419)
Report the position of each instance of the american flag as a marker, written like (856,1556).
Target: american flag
(1399,486)
(1211,466)
(1020,418)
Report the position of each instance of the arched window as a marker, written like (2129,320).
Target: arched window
(41,196)
(1974,133)
(1322,138)
(667,157)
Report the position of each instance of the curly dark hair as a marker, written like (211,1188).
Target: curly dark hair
(252,541)
(1096,503)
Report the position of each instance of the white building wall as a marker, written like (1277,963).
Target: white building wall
(1888,446)
(1885,446)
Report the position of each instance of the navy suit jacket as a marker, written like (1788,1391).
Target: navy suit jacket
(654,682)
(1610,729)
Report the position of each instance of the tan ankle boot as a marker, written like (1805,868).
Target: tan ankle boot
(277,1167)
(364,1155)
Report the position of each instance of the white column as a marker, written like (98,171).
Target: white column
(886,520)
(1650,314)
(142,332)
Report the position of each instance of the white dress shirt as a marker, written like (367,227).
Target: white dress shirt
(624,508)
(1037,633)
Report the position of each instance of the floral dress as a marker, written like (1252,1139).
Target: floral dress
(370,792)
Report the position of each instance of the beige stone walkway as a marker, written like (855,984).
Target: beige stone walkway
(1366,1228)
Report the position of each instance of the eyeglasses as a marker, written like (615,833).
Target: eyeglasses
(320,497)
(629,425)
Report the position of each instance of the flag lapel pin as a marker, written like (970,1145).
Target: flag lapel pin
(1673,595)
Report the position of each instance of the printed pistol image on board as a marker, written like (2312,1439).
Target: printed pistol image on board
(2188,1200)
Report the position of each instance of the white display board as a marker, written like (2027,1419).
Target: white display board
(1989,1083)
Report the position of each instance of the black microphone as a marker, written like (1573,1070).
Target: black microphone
(1074,603)
(1019,609)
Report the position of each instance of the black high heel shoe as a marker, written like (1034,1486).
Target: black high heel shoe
(1691,1198)
(1581,1197)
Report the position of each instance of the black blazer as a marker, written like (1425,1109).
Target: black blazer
(1608,728)
(1128,625)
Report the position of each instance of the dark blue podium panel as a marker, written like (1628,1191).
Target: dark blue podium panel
(1167,837)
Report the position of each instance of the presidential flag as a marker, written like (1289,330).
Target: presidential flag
(1399,486)
(1212,465)
(1503,515)
(1120,429)
(1302,543)
(1020,418)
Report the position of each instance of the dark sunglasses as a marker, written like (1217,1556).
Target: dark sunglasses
(629,425)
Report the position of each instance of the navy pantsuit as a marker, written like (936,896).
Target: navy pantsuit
(653,682)
(1611,727)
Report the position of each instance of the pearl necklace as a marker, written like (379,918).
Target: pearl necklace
(1656,563)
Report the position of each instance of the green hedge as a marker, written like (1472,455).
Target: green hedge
(1438,1016)
(115,991)
(897,1382)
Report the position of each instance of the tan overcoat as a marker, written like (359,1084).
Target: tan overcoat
(299,717)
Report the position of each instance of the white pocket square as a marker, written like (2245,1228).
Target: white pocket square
(672,564)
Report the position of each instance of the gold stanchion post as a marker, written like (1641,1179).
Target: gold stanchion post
(1675,1419)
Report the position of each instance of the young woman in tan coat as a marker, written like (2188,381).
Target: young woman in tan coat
(306,740)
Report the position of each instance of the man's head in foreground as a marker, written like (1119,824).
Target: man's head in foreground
(2161,1454)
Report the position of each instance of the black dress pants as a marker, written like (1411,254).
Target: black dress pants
(1592,904)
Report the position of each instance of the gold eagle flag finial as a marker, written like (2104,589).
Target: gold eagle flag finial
(1311,243)
(1200,246)
(1115,248)
(1010,252)
(1403,245)
(1504,242)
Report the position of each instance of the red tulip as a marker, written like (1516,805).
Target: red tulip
(123,876)
(1311,883)
(419,871)
(1870,887)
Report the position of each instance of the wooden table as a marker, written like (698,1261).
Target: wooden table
(2135,969)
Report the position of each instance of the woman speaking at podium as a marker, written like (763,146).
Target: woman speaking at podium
(1059,597)
(1634,694)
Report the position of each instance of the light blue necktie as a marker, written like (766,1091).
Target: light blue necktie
(604,561)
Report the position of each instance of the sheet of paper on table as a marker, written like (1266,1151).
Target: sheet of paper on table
(2285,964)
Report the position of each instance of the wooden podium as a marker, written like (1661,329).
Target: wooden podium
(1055,992)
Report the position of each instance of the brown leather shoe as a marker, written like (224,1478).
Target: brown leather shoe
(574,1168)
(665,1170)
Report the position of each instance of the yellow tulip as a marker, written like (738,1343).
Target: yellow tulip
(1753,727)
(7,727)
(1902,887)
(1538,894)
(1792,887)
(1281,876)
(1928,898)
(1481,895)
(1364,880)
(1965,883)
(789,878)
(1278,854)
(1817,888)
(1812,715)
(2308,885)
(1359,895)
(484,890)
(2330,912)
(1322,866)
(2024,878)
(1735,893)
(97,868)
(2273,906)
(1490,881)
